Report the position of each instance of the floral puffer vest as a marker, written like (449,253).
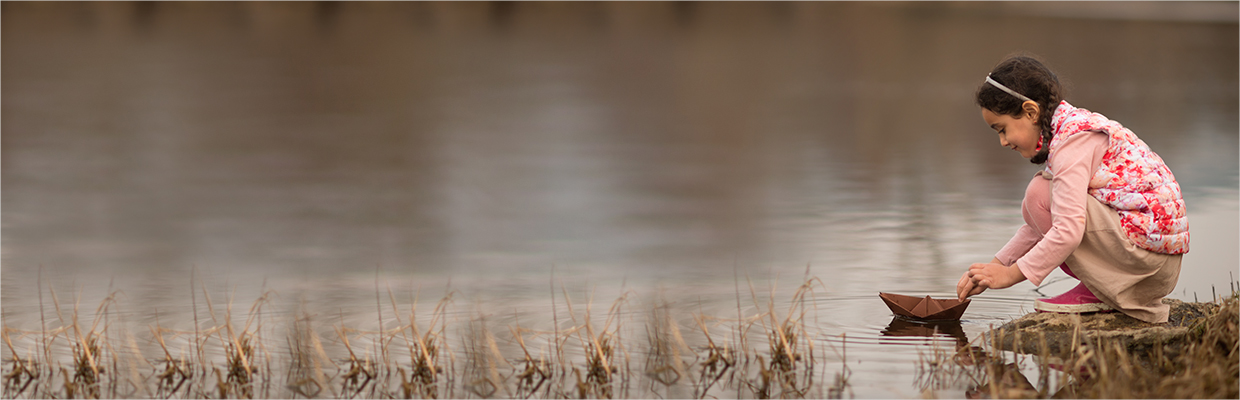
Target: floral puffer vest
(1132,179)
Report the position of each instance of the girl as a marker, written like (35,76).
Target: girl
(1106,209)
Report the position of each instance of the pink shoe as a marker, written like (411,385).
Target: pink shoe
(1076,301)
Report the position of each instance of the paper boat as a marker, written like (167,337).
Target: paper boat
(924,308)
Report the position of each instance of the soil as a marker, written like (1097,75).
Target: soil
(1055,334)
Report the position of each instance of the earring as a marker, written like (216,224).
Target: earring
(1040,138)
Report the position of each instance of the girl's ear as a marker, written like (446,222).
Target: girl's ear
(1030,109)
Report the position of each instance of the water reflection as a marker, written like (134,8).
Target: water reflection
(966,365)
(901,327)
(1010,384)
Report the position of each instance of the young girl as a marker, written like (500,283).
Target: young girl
(1106,209)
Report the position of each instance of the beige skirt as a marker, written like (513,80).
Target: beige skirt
(1122,275)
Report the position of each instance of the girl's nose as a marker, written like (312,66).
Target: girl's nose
(1003,141)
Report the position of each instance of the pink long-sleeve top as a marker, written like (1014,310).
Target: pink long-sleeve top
(1037,253)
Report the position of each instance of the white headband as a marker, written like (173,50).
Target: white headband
(1005,88)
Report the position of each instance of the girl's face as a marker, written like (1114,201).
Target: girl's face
(1019,133)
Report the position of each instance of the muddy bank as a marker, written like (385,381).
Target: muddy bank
(1056,334)
(1195,354)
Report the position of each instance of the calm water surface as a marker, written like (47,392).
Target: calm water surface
(674,154)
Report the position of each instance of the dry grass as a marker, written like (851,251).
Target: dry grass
(306,376)
(532,373)
(1207,365)
(767,350)
(789,372)
(719,362)
(23,371)
(227,357)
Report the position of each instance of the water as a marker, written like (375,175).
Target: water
(678,153)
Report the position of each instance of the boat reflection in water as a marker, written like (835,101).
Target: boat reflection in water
(906,327)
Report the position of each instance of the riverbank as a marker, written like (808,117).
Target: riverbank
(1195,354)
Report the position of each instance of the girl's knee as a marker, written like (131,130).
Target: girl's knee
(1036,207)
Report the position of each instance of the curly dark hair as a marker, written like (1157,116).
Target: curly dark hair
(1028,76)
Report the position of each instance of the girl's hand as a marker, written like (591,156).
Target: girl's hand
(967,287)
(971,286)
(994,275)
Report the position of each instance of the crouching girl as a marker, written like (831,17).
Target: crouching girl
(1106,209)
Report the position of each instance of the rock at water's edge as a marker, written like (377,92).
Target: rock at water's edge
(1058,332)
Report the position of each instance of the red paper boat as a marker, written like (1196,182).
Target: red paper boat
(924,308)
